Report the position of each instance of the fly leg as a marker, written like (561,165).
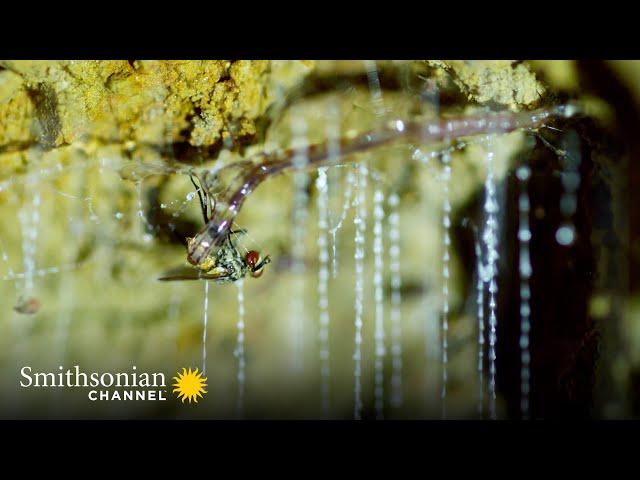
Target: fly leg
(264,262)
(241,231)
(202,196)
(207,202)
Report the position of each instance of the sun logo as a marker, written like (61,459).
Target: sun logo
(190,384)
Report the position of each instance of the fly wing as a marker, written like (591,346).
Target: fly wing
(189,273)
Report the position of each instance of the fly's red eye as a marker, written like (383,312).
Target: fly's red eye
(252,258)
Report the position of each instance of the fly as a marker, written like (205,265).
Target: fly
(226,264)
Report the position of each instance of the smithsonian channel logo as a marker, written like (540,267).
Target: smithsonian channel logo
(189,384)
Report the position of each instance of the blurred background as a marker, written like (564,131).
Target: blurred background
(96,202)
